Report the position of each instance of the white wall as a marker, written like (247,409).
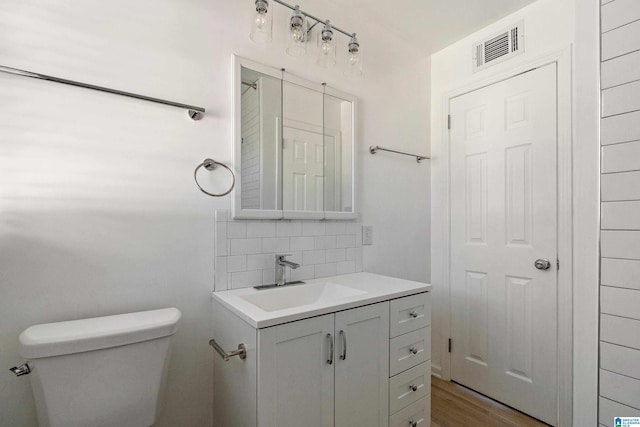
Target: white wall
(550,25)
(98,210)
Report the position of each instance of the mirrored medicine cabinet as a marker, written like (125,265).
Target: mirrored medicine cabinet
(293,146)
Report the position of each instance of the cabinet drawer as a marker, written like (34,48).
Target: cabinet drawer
(418,414)
(410,313)
(409,350)
(409,387)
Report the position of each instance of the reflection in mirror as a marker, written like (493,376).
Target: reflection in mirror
(302,149)
(338,154)
(261,108)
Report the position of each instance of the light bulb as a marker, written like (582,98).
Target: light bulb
(260,20)
(326,48)
(297,34)
(353,58)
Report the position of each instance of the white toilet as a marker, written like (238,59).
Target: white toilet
(104,371)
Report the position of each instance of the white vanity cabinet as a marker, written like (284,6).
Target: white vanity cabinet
(366,366)
(331,368)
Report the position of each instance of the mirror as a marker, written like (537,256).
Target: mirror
(294,147)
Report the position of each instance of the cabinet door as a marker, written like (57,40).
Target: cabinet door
(362,367)
(295,374)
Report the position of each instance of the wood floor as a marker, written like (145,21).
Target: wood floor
(455,406)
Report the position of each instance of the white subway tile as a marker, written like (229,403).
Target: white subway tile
(261,229)
(236,230)
(620,41)
(246,279)
(314,257)
(302,243)
(260,261)
(288,228)
(326,270)
(350,254)
(246,246)
(295,257)
(346,267)
(220,274)
(236,263)
(268,276)
(275,244)
(353,227)
(335,228)
(305,272)
(359,259)
(325,242)
(346,241)
(335,255)
(221,239)
(313,228)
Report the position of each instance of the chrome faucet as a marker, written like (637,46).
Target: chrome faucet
(281,263)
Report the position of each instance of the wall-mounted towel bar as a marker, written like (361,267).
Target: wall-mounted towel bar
(195,113)
(375,149)
(210,164)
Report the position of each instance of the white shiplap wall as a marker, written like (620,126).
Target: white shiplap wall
(620,187)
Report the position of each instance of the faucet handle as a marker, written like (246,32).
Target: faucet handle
(282,257)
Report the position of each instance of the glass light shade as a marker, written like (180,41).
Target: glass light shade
(354,58)
(298,28)
(327,47)
(261,27)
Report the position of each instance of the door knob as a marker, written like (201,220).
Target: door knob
(542,264)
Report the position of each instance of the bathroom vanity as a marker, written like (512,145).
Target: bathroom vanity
(350,350)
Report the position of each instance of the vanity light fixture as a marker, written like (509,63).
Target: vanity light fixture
(300,33)
(327,53)
(262,23)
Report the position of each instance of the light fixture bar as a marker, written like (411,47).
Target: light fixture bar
(318,20)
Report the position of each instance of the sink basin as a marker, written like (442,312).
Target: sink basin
(316,293)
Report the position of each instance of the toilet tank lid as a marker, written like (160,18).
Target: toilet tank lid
(76,336)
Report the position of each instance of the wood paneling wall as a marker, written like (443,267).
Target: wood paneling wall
(620,194)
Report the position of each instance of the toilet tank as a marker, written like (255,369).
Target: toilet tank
(102,372)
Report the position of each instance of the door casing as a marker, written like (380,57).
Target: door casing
(441,240)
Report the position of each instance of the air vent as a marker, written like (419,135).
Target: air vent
(499,47)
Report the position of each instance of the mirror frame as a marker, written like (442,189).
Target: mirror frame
(237,211)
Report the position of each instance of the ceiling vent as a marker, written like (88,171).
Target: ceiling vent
(499,47)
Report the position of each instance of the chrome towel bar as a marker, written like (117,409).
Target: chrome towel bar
(195,113)
(375,149)
(226,356)
(210,164)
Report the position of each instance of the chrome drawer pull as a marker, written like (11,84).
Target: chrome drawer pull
(413,423)
(413,350)
(343,356)
(413,387)
(240,352)
(413,314)
(330,359)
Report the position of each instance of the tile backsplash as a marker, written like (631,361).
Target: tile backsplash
(246,249)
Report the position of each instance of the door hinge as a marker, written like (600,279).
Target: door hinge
(558,264)
(449,345)
(449,122)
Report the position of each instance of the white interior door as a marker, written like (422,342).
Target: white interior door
(302,168)
(503,218)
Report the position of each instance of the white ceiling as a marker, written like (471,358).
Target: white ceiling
(431,25)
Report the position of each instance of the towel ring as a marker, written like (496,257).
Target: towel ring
(210,164)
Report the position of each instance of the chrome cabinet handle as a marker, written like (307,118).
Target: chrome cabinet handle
(542,264)
(413,314)
(343,335)
(413,387)
(330,359)
(413,423)
(413,350)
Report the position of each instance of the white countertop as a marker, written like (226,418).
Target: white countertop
(375,288)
